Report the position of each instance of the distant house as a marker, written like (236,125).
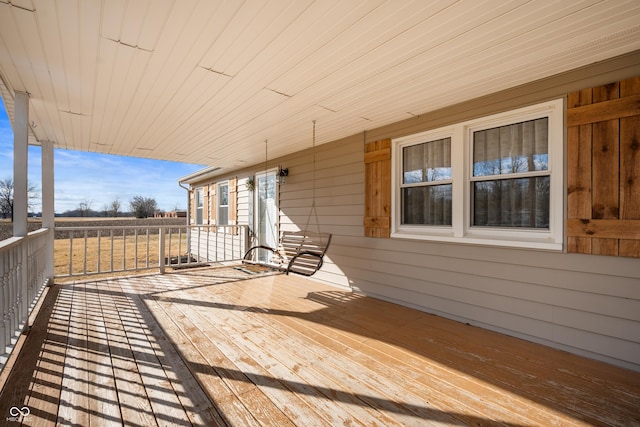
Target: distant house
(171,214)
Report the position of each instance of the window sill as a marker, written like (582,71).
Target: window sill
(541,243)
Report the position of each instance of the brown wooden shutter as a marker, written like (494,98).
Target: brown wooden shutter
(377,199)
(205,204)
(603,150)
(192,206)
(233,201)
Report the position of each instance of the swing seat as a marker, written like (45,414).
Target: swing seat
(300,252)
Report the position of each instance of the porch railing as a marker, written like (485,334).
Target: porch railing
(23,275)
(82,251)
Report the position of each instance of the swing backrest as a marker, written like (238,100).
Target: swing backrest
(294,242)
(304,250)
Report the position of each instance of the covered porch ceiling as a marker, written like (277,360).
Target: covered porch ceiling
(208,82)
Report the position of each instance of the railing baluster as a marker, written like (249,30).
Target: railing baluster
(199,230)
(85,252)
(147,263)
(5,274)
(180,245)
(208,243)
(169,247)
(70,253)
(216,234)
(161,250)
(233,241)
(111,257)
(99,251)
(135,249)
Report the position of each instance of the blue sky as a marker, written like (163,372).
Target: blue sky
(99,178)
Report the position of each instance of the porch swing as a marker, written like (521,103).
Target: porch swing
(301,252)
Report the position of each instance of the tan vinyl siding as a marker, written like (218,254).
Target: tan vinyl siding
(338,189)
(243,195)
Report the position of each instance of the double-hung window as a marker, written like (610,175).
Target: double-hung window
(426,184)
(223,203)
(199,206)
(496,180)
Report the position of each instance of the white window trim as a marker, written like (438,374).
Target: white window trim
(461,164)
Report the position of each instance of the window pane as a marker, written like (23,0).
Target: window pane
(224,194)
(199,206)
(427,162)
(428,205)
(199,197)
(520,147)
(223,215)
(520,202)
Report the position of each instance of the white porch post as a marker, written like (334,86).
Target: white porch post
(48,212)
(20,162)
(20,193)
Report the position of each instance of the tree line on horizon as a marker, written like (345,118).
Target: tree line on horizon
(140,206)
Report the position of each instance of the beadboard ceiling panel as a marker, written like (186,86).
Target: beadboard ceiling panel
(208,82)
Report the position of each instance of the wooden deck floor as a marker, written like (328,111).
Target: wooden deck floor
(223,347)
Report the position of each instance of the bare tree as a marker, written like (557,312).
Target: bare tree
(84,207)
(6,197)
(115,208)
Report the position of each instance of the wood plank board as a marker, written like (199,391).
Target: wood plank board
(74,398)
(604,110)
(132,396)
(103,406)
(604,228)
(49,332)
